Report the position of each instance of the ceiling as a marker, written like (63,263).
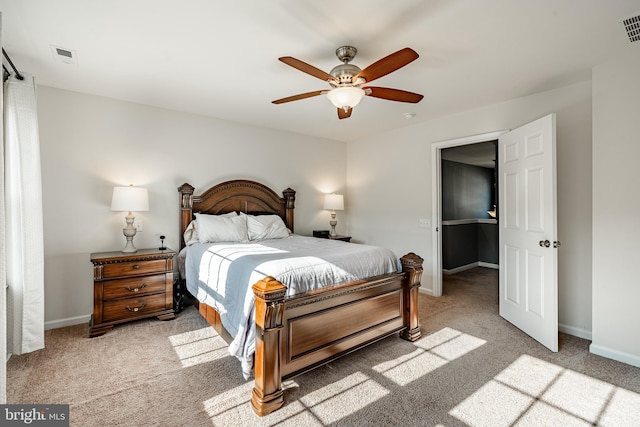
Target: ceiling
(219,58)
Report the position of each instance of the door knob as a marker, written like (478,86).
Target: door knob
(545,243)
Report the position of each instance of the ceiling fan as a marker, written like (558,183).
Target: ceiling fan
(347,80)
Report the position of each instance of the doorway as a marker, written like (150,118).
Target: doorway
(469,201)
(448,151)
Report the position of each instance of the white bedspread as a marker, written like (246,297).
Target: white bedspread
(221,275)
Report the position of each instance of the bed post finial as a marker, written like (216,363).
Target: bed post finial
(412,266)
(186,196)
(267,395)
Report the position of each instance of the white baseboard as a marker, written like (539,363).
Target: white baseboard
(489,265)
(70,321)
(576,332)
(470,266)
(630,359)
(425,291)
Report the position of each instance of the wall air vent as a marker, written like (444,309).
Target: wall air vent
(64,55)
(632,26)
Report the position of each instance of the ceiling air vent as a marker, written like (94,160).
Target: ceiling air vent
(632,26)
(66,56)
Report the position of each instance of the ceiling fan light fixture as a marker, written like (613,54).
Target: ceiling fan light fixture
(345,97)
(347,80)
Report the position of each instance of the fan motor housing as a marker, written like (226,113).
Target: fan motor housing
(344,73)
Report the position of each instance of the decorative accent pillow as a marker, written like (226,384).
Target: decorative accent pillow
(262,227)
(228,227)
(191,234)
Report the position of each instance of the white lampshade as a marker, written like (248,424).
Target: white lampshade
(130,199)
(334,202)
(342,97)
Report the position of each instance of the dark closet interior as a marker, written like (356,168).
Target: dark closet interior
(469,207)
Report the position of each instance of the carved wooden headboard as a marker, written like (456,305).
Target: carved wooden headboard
(238,195)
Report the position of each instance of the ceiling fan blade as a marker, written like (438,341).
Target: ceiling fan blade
(392,94)
(306,68)
(299,96)
(344,114)
(387,64)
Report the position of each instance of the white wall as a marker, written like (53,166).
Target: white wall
(389,186)
(616,209)
(89,144)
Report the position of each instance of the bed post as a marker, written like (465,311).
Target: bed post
(186,209)
(289,205)
(412,266)
(267,392)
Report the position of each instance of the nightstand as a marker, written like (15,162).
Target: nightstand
(131,286)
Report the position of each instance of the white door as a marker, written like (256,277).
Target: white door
(528,241)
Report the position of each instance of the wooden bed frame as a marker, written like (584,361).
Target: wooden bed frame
(298,333)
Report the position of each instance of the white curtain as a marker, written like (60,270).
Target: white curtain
(3,270)
(23,225)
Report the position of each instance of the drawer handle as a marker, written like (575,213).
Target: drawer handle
(136,266)
(144,285)
(136,309)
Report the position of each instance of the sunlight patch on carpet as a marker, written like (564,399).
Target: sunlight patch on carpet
(198,346)
(434,351)
(579,395)
(321,407)
(529,375)
(410,367)
(623,409)
(535,392)
(494,404)
(434,339)
(449,343)
(542,413)
(344,397)
(458,347)
(234,409)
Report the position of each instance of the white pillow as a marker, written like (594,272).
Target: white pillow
(190,235)
(221,228)
(261,227)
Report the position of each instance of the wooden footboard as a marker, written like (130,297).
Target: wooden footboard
(296,334)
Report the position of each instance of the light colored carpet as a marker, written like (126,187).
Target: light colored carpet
(470,368)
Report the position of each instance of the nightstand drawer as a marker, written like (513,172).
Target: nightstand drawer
(133,286)
(132,307)
(131,268)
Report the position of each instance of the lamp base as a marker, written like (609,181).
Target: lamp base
(333,224)
(129,248)
(129,231)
